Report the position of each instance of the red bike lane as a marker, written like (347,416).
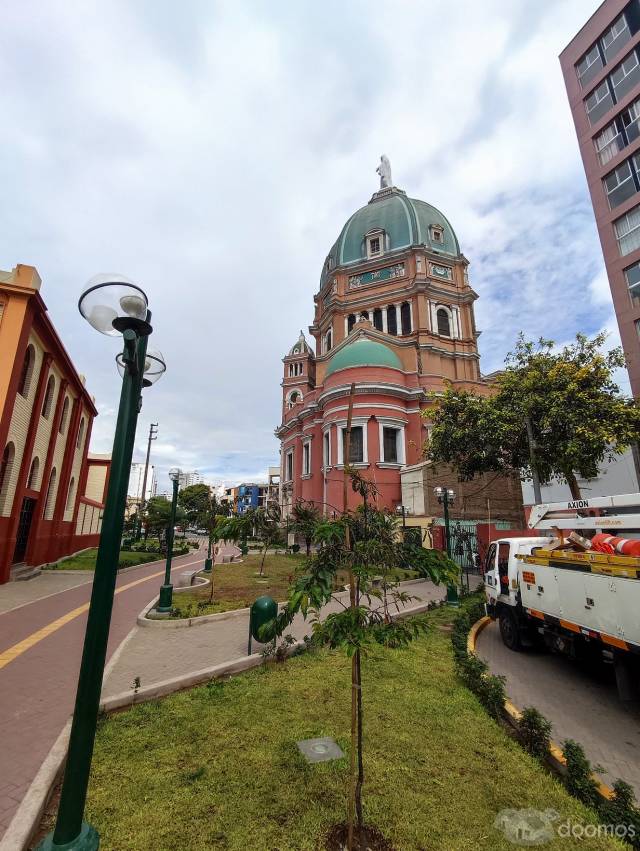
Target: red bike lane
(37,687)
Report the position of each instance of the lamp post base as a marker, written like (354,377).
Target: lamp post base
(452,596)
(166,598)
(87,840)
(207,565)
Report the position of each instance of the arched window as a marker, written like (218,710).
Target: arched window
(27,371)
(51,495)
(377,319)
(70,494)
(295,397)
(6,468)
(405,317)
(392,319)
(80,434)
(65,415)
(351,321)
(328,341)
(48,397)
(32,481)
(444,323)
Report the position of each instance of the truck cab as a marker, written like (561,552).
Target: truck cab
(502,587)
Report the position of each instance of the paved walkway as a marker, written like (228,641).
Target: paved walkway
(159,653)
(49,582)
(40,651)
(581,705)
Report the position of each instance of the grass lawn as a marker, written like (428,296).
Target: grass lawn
(237,585)
(87,560)
(217,766)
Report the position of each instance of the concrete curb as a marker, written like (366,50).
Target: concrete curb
(513,716)
(198,620)
(242,663)
(122,569)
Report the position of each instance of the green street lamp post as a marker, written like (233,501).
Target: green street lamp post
(208,562)
(166,590)
(446,498)
(115,306)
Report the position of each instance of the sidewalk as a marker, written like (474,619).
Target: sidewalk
(155,654)
(49,582)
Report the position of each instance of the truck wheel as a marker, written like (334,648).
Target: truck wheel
(509,630)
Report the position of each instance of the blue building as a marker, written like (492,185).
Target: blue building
(248,497)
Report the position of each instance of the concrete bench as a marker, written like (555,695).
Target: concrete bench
(186,579)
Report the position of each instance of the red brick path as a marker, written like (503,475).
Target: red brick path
(37,690)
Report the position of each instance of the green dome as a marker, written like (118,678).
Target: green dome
(405,221)
(363,352)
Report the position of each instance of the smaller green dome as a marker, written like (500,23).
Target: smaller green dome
(363,352)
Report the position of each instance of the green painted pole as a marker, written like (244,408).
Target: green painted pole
(71,832)
(452,590)
(166,591)
(208,562)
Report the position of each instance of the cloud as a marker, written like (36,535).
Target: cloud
(212,152)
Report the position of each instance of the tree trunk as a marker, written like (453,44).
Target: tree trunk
(352,603)
(308,545)
(264,555)
(360,781)
(574,487)
(213,564)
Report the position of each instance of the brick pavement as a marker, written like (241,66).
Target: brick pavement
(581,705)
(155,654)
(37,689)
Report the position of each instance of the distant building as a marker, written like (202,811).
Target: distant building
(136,478)
(601,68)
(188,478)
(51,490)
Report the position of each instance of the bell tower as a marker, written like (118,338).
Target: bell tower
(299,376)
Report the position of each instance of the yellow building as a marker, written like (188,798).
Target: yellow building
(51,491)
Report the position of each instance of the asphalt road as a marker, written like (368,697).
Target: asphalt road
(582,704)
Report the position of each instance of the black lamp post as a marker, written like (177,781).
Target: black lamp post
(446,498)
(115,306)
(166,590)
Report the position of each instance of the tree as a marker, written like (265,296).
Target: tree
(577,414)
(266,527)
(305,516)
(225,527)
(196,500)
(367,544)
(158,514)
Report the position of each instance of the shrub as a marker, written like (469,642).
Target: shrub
(492,694)
(295,548)
(622,810)
(535,732)
(579,781)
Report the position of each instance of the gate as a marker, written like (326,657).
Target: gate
(463,537)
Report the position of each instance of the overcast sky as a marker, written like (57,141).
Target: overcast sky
(213,151)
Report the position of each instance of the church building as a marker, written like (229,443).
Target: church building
(394,316)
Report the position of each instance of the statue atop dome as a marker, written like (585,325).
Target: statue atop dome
(384,170)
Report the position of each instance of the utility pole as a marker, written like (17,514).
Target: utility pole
(537,493)
(153,434)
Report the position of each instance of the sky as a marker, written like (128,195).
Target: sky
(212,151)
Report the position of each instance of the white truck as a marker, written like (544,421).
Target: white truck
(579,602)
